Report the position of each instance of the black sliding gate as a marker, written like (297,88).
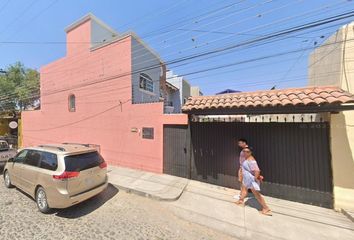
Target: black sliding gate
(294,157)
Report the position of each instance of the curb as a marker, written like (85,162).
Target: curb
(148,195)
(351,217)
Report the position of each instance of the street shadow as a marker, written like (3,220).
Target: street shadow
(88,206)
(24,193)
(253,203)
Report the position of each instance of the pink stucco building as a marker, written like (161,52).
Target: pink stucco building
(107,90)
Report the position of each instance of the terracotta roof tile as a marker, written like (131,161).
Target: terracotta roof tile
(264,98)
(257,98)
(345,99)
(273,97)
(266,103)
(257,103)
(325,95)
(319,100)
(302,96)
(276,102)
(307,101)
(241,104)
(284,97)
(286,102)
(297,101)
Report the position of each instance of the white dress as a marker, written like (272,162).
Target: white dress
(248,174)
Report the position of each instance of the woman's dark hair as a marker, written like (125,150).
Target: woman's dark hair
(243,140)
(250,148)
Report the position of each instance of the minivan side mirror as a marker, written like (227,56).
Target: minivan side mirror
(10,160)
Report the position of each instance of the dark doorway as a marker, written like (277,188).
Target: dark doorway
(176,150)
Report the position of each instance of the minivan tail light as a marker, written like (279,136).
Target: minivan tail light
(66,175)
(103,165)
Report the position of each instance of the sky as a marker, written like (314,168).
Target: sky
(32,32)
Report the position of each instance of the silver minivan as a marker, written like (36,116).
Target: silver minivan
(57,176)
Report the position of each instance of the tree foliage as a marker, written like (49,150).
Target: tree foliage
(19,88)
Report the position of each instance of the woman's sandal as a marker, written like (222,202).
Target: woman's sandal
(240,203)
(266,212)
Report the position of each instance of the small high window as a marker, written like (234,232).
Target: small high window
(72,103)
(146,83)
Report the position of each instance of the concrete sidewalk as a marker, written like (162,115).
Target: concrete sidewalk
(213,206)
(160,187)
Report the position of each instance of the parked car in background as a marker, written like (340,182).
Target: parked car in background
(57,176)
(5,153)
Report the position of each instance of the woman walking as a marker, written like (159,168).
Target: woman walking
(250,180)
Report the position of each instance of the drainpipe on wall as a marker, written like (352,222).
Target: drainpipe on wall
(163,87)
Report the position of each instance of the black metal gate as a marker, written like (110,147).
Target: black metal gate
(176,150)
(294,157)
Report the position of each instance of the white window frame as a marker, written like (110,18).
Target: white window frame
(147,80)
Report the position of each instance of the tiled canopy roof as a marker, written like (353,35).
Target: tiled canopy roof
(296,97)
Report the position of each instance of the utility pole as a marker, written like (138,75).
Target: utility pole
(2,72)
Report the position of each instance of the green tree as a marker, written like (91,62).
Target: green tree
(19,88)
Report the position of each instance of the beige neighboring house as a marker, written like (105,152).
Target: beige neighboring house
(332,63)
(195,91)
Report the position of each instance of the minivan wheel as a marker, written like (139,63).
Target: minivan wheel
(41,200)
(7,180)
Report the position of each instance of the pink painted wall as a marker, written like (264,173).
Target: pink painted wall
(104,112)
(78,39)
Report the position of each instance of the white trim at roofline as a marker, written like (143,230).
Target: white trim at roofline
(116,38)
(86,18)
(134,35)
(125,35)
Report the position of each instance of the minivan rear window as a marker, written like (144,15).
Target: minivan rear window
(77,163)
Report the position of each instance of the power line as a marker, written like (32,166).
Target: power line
(335,25)
(197,18)
(231,24)
(237,63)
(69,43)
(34,17)
(249,84)
(93,116)
(306,26)
(25,10)
(304,14)
(226,16)
(274,40)
(229,33)
(258,27)
(147,36)
(292,66)
(220,66)
(142,55)
(3,7)
(83,119)
(154,13)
